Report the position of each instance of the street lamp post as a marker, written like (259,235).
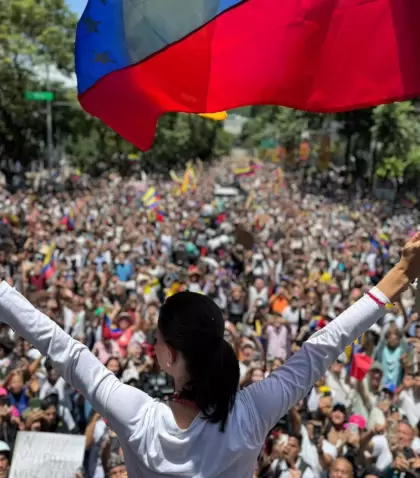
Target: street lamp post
(49,123)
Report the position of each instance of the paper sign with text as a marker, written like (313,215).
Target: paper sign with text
(47,455)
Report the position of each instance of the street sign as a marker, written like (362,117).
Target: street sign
(268,144)
(39,95)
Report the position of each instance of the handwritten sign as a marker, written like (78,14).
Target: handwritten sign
(47,455)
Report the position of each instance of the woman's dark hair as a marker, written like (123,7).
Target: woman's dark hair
(120,370)
(297,436)
(50,401)
(193,324)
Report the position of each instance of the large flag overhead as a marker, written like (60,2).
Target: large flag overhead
(138,59)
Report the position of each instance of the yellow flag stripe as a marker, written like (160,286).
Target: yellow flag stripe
(221,116)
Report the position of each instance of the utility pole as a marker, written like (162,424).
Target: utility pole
(50,151)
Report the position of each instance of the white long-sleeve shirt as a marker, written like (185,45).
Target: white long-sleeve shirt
(153,444)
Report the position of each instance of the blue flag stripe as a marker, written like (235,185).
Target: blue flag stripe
(114,34)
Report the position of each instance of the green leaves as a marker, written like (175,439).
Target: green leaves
(397,132)
(37,35)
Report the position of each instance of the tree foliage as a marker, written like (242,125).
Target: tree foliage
(36,54)
(385,139)
(33,34)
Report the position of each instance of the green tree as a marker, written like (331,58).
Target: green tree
(355,131)
(396,128)
(396,131)
(182,137)
(284,125)
(34,35)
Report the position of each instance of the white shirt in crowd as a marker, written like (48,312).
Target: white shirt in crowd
(292,317)
(153,444)
(310,453)
(381,452)
(284,469)
(254,295)
(95,468)
(79,323)
(390,318)
(341,391)
(410,406)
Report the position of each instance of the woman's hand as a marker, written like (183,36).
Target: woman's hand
(34,386)
(406,271)
(400,463)
(408,382)
(415,463)
(410,258)
(278,451)
(23,364)
(353,439)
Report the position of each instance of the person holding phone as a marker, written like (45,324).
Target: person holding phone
(209,428)
(317,451)
(292,465)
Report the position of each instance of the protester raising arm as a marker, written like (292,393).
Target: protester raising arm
(76,364)
(271,398)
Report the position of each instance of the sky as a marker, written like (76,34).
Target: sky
(77,5)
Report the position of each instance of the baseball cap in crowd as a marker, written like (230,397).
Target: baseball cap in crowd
(340,407)
(33,354)
(248,344)
(389,387)
(342,358)
(130,375)
(356,420)
(376,329)
(4,447)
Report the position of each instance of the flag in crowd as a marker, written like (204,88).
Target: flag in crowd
(48,264)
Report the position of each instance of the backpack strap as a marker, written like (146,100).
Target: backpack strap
(303,466)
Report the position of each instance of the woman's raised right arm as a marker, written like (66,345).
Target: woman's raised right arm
(118,403)
(267,401)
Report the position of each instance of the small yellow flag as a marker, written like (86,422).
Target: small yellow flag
(221,116)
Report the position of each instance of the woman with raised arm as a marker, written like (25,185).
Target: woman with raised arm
(209,429)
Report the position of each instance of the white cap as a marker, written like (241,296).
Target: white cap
(4,447)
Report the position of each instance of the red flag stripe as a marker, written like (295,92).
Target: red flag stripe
(317,55)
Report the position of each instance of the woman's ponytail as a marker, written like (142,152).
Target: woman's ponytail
(214,382)
(193,325)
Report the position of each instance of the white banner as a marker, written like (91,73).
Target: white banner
(47,455)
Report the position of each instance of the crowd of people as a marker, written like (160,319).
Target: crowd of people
(99,261)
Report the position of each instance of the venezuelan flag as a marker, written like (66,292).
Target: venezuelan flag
(48,266)
(109,331)
(244,172)
(221,116)
(151,198)
(70,219)
(138,60)
(189,181)
(354,348)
